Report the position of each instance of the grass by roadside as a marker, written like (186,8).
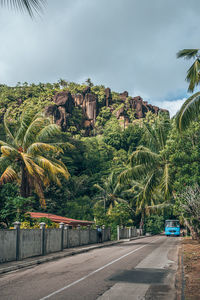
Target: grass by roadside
(191,261)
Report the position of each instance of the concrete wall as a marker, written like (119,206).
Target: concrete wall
(19,243)
(73,238)
(84,237)
(53,240)
(93,236)
(7,245)
(30,243)
(128,232)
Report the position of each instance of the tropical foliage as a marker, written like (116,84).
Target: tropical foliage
(118,175)
(149,166)
(28,158)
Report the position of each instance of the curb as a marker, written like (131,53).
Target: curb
(55,256)
(58,255)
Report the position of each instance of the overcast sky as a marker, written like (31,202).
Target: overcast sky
(123,44)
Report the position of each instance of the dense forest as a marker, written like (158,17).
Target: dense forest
(85,152)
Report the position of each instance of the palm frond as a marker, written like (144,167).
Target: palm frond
(31,166)
(150,186)
(165,181)
(144,156)
(48,132)
(52,169)
(187,53)
(158,207)
(97,186)
(133,173)
(41,148)
(33,130)
(9,135)
(188,112)
(9,151)
(30,6)
(193,75)
(4,163)
(9,175)
(26,118)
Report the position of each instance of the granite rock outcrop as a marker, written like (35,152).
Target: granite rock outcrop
(64,103)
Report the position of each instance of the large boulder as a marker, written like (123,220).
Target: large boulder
(108,97)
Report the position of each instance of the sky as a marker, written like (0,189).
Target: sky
(123,44)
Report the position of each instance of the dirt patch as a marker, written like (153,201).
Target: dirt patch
(191,261)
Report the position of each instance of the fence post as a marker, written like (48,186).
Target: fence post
(66,227)
(129,232)
(103,233)
(118,232)
(61,226)
(79,234)
(42,227)
(17,228)
(109,228)
(88,227)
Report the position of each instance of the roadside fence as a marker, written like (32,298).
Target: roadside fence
(128,232)
(18,244)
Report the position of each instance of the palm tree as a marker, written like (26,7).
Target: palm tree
(188,112)
(30,6)
(29,158)
(191,107)
(193,74)
(149,167)
(110,193)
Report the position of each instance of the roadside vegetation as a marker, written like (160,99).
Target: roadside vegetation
(140,174)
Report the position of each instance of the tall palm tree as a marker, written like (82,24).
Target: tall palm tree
(30,6)
(193,74)
(149,167)
(110,193)
(191,107)
(28,157)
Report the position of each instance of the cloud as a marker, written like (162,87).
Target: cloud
(172,106)
(126,45)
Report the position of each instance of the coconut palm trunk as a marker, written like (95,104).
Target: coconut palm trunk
(25,184)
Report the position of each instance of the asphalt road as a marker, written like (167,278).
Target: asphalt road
(139,269)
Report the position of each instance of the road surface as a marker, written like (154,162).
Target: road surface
(139,269)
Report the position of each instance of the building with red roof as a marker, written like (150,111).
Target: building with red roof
(59,219)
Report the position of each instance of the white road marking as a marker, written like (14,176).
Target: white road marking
(97,270)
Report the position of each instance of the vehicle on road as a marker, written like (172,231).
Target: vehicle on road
(172,228)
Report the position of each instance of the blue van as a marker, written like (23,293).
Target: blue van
(172,227)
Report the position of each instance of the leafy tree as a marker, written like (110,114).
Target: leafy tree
(12,206)
(189,206)
(154,224)
(183,153)
(27,156)
(113,133)
(89,82)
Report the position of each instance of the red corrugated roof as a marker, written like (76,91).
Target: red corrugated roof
(59,219)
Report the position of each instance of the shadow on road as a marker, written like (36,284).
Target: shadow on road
(147,276)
